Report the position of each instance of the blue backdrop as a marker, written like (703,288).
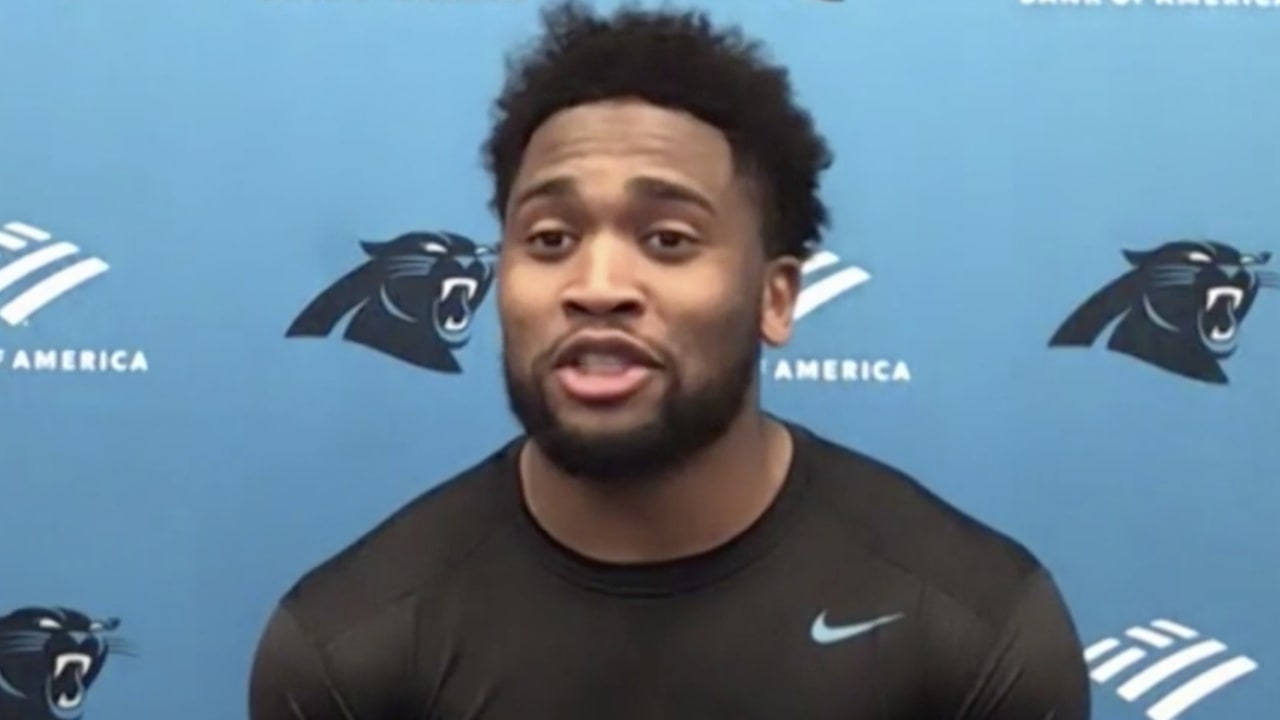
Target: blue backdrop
(179,179)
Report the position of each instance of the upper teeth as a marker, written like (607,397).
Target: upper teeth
(1235,296)
(599,361)
(66,660)
(69,700)
(467,284)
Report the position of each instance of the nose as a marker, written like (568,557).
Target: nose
(604,283)
(79,636)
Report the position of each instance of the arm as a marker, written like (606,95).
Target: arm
(289,680)
(1035,669)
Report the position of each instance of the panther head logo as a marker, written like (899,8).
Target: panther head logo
(1179,307)
(413,299)
(49,658)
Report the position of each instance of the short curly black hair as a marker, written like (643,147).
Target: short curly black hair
(679,60)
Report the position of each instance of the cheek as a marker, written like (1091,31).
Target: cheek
(700,298)
(524,312)
(715,322)
(513,292)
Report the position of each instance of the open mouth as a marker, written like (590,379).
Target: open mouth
(602,363)
(604,371)
(605,356)
(66,689)
(453,306)
(1219,314)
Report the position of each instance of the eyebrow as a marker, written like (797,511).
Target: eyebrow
(650,188)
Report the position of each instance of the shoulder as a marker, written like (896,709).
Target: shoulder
(994,632)
(959,560)
(419,545)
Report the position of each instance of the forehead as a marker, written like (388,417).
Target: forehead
(615,140)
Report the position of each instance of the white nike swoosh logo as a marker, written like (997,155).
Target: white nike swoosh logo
(825,634)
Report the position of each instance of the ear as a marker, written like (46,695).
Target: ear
(1136,257)
(375,248)
(778,298)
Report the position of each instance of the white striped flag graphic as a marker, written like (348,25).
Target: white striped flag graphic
(27,253)
(1150,655)
(835,284)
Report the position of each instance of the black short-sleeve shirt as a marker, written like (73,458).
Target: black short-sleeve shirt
(858,595)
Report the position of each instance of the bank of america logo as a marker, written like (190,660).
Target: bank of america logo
(832,285)
(1164,653)
(28,256)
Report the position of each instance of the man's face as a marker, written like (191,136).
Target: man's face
(633,289)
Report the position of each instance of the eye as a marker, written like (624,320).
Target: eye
(550,241)
(434,248)
(1248,260)
(1199,257)
(666,241)
(49,624)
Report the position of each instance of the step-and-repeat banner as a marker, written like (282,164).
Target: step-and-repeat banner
(1049,293)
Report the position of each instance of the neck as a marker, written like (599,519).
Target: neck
(695,508)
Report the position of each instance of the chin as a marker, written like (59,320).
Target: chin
(615,450)
(604,421)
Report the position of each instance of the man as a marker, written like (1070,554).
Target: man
(656,547)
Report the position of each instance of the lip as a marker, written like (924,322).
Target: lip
(615,344)
(604,387)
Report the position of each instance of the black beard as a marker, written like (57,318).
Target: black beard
(688,421)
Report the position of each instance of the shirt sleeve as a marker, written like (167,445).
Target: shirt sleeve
(1036,669)
(289,681)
